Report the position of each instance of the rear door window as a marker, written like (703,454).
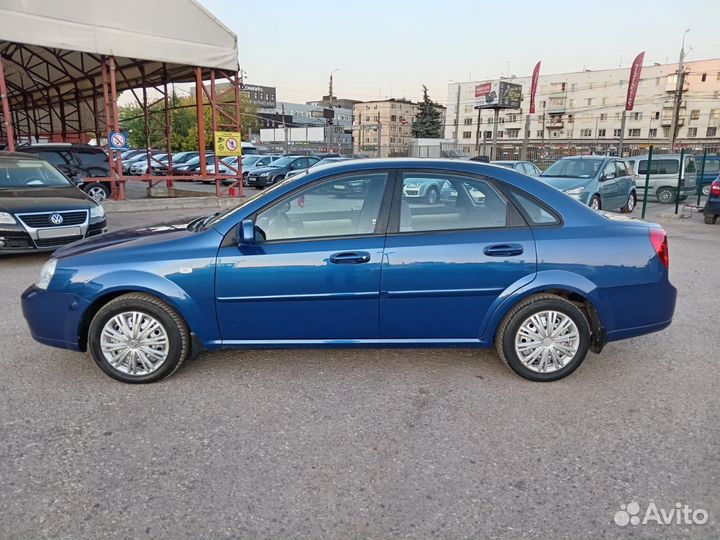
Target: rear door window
(445,202)
(659,166)
(621,168)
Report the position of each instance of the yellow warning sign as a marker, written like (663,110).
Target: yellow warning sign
(227,143)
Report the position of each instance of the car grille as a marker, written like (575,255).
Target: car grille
(36,221)
(53,242)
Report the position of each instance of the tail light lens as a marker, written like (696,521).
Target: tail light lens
(658,238)
(715,189)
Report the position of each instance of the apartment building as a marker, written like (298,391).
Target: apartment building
(585,108)
(386,123)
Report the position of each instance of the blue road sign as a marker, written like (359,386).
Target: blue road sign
(118,140)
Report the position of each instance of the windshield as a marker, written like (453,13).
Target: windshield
(283,161)
(213,219)
(506,164)
(183,157)
(329,160)
(574,168)
(29,173)
(251,160)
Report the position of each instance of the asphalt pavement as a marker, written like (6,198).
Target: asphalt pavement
(369,443)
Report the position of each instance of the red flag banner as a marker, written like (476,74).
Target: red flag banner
(634,81)
(533,87)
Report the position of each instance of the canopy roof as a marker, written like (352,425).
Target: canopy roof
(52,51)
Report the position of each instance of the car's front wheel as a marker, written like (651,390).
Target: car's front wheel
(137,338)
(630,204)
(97,191)
(544,338)
(595,202)
(431,197)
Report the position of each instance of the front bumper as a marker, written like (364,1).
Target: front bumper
(259,181)
(16,239)
(54,317)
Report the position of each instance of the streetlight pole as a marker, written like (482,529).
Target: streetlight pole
(678,93)
(330,120)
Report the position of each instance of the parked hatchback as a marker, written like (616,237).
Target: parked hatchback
(508,261)
(277,170)
(711,211)
(524,167)
(664,172)
(601,182)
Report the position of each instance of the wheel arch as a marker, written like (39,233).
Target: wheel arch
(572,287)
(113,286)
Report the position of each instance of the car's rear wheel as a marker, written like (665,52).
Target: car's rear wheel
(137,338)
(665,195)
(431,197)
(711,220)
(97,191)
(706,189)
(595,202)
(630,204)
(544,338)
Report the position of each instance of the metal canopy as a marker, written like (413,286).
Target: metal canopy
(63,64)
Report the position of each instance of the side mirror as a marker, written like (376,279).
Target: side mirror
(246,232)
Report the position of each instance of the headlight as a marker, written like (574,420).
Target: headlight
(264,175)
(46,274)
(6,218)
(575,191)
(97,211)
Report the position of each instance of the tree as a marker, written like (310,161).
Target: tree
(428,123)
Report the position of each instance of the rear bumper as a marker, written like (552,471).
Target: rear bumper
(712,208)
(54,317)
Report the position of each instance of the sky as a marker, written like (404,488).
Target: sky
(391,48)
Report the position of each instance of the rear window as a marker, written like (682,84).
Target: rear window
(90,158)
(712,165)
(537,213)
(659,166)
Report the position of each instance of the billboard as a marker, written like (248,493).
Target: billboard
(262,97)
(498,95)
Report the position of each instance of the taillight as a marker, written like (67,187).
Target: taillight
(715,189)
(658,238)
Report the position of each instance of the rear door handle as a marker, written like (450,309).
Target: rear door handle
(503,250)
(350,257)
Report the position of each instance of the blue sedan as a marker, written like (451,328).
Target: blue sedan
(507,261)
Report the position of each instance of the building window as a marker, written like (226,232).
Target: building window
(556,101)
(652,133)
(618,116)
(468,121)
(467,134)
(704,76)
(588,101)
(501,134)
(616,132)
(603,117)
(621,82)
(586,132)
(571,119)
(635,132)
(711,132)
(666,132)
(539,133)
(636,116)
(604,101)
(501,120)
(393,118)
(657,81)
(540,118)
(601,132)
(572,103)
(512,117)
(656,115)
(392,139)
(692,132)
(573,87)
(488,135)
(513,133)
(714,114)
(695,114)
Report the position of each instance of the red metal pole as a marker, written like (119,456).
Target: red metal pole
(168,128)
(116,124)
(200,120)
(213,120)
(6,109)
(237,128)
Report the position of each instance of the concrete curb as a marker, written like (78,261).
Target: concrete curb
(179,203)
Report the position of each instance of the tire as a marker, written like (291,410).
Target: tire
(171,328)
(97,190)
(595,203)
(509,332)
(431,197)
(665,195)
(710,220)
(706,189)
(630,204)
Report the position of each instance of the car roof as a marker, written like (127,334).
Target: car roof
(659,156)
(19,155)
(590,157)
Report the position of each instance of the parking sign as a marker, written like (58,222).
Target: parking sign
(227,143)
(118,140)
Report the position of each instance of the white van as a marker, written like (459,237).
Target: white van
(664,169)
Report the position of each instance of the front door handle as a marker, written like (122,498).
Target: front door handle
(503,250)
(350,257)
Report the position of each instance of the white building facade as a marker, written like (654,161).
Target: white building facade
(585,109)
